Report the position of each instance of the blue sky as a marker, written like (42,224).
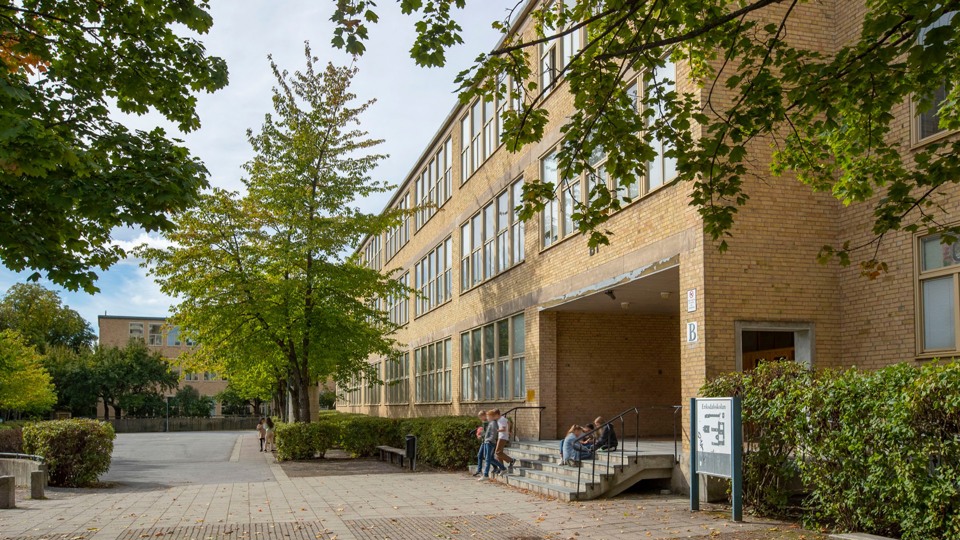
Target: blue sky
(411,104)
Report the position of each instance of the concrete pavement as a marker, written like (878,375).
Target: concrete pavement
(360,507)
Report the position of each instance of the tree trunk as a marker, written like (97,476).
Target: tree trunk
(106,409)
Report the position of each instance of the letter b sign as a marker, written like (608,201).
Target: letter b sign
(693,334)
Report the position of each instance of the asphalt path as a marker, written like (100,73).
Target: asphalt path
(201,457)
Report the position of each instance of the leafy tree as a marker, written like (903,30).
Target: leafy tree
(25,386)
(189,402)
(38,315)
(263,278)
(71,174)
(233,403)
(73,377)
(120,373)
(827,114)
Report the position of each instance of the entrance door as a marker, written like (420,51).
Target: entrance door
(758,342)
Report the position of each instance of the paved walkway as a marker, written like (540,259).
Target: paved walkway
(380,506)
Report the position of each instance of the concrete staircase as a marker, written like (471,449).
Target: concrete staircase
(538,469)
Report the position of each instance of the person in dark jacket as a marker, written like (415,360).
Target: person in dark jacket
(606,437)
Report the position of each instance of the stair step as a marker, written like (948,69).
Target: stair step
(538,469)
(563,479)
(563,493)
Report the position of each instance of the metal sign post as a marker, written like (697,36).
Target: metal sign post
(716,447)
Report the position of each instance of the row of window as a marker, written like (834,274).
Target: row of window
(492,368)
(155,334)
(492,240)
(433,277)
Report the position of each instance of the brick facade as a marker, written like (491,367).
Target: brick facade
(586,358)
(115,332)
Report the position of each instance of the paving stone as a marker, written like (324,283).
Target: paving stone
(242,531)
(485,527)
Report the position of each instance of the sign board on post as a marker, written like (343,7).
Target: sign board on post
(715,447)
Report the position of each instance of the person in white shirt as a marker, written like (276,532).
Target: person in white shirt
(503,440)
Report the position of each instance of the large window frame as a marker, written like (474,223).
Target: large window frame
(433,277)
(925,124)
(433,368)
(397,379)
(371,390)
(433,186)
(491,241)
(937,296)
(397,237)
(372,251)
(557,53)
(135,330)
(398,305)
(155,334)
(493,361)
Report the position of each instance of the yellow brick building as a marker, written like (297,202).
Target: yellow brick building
(527,314)
(159,336)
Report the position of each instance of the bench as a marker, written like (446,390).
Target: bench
(391,451)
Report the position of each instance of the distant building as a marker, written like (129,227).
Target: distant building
(118,330)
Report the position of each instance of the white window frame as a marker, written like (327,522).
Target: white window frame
(483,365)
(433,278)
(490,241)
(433,369)
(397,379)
(950,271)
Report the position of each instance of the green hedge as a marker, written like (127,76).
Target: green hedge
(11,440)
(304,441)
(77,451)
(444,441)
(876,452)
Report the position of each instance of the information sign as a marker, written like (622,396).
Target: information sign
(713,436)
(715,447)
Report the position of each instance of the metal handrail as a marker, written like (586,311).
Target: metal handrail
(636,410)
(14,455)
(520,407)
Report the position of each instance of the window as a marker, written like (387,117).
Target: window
(480,130)
(466,164)
(398,236)
(661,82)
(557,53)
(433,185)
(550,216)
(154,334)
(371,253)
(492,365)
(398,379)
(136,330)
(514,98)
(398,306)
(492,240)
(350,394)
(433,370)
(927,123)
(434,281)
(548,63)
(937,294)
(372,389)
(173,337)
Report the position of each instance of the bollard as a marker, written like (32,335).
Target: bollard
(8,491)
(37,481)
(412,451)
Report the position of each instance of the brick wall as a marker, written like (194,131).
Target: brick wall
(607,363)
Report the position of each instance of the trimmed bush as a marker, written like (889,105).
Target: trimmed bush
(305,441)
(878,452)
(445,441)
(77,451)
(11,440)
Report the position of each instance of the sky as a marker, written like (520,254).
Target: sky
(411,104)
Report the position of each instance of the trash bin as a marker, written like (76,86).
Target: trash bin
(412,451)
